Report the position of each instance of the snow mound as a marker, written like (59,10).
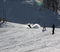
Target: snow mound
(36,26)
(33,25)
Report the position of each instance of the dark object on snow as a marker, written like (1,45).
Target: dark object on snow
(44,28)
(29,26)
(3,20)
(53,29)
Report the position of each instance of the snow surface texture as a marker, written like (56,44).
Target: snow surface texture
(18,38)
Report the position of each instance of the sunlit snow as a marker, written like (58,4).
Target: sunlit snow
(18,38)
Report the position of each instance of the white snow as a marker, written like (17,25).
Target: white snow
(18,38)
(33,25)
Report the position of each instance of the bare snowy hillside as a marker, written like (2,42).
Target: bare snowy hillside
(19,38)
(16,36)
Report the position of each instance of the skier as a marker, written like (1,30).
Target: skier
(53,29)
(44,28)
(4,20)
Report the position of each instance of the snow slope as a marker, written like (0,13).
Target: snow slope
(19,38)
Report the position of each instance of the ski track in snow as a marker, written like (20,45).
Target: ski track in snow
(18,38)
